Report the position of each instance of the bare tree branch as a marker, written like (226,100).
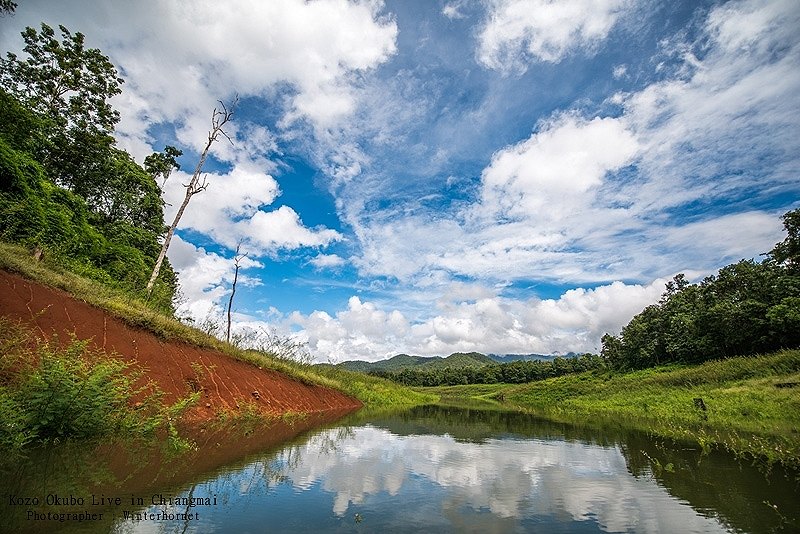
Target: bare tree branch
(236,260)
(219,118)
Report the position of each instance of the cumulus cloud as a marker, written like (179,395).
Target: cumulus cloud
(548,176)
(205,277)
(519,31)
(538,200)
(232,209)
(471,318)
(360,331)
(179,58)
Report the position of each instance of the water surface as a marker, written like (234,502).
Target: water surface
(438,469)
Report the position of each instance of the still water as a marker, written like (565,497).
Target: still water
(440,469)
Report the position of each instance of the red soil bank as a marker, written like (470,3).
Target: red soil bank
(225,383)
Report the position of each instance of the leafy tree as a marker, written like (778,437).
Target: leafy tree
(787,252)
(161,164)
(7,6)
(113,240)
(747,308)
(63,80)
(129,194)
(69,87)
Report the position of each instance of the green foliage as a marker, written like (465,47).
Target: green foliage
(787,252)
(51,391)
(63,80)
(404,361)
(373,391)
(68,88)
(516,372)
(161,164)
(65,188)
(747,308)
(113,239)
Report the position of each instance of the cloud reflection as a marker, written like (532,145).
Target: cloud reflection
(515,480)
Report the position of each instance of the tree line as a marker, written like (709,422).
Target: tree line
(748,308)
(510,373)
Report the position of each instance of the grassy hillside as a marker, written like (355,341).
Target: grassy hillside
(372,391)
(750,405)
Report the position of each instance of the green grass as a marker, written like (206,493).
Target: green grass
(373,392)
(746,412)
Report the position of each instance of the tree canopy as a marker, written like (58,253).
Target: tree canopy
(63,80)
(749,307)
(64,186)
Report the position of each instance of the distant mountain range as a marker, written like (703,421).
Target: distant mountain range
(457,359)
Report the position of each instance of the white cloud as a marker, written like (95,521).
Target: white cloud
(725,125)
(511,479)
(549,176)
(327,261)
(205,277)
(454,10)
(179,58)
(360,331)
(539,213)
(518,31)
(232,209)
(471,318)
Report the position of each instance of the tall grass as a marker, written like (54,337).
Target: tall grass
(374,392)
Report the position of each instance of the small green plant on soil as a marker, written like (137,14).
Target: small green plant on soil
(292,417)
(245,418)
(52,392)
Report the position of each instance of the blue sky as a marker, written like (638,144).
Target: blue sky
(432,176)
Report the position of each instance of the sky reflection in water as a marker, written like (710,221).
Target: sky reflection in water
(367,478)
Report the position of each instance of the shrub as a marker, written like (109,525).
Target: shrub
(52,392)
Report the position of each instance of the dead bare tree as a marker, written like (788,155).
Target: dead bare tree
(219,118)
(236,261)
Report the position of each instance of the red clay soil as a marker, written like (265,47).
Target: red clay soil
(226,383)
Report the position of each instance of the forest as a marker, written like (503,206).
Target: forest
(67,191)
(749,307)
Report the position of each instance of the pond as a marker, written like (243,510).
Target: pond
(430,469)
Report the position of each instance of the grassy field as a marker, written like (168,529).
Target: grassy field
(752,404)
(373,392)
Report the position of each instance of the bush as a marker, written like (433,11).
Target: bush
(50,392)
